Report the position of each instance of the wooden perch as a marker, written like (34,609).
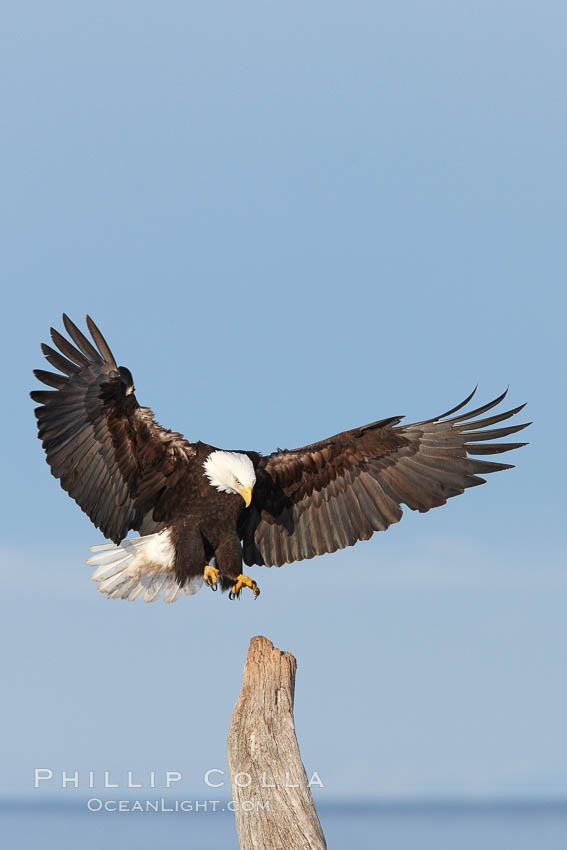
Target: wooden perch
(273,804)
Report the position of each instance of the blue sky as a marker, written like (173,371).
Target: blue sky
(291,220)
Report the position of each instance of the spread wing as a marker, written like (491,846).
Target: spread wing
(108,453)
(329,495)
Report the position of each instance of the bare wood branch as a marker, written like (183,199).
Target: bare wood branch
(274,805)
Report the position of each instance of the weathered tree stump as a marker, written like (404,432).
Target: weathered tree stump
(274,807)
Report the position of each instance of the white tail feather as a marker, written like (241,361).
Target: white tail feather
(141,566)
(107,570)
(172,591)
(100,547)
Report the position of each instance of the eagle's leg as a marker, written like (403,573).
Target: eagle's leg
(244,581)
(211,576)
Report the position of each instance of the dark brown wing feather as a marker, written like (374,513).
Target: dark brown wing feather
(108,452)
(329,495)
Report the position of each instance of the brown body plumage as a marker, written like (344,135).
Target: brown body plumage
(127,472)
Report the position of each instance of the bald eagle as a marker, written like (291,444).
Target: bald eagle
(201,511)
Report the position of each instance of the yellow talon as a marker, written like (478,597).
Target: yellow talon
(211,576)
(244,581)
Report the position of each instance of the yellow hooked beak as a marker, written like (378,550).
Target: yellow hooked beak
(246,494)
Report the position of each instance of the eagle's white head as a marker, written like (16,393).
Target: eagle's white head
(231,472)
